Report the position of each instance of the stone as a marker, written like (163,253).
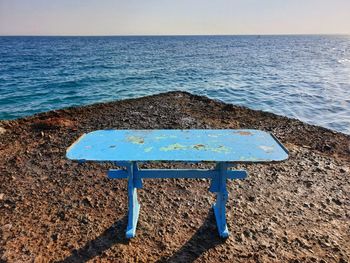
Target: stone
(327,147)
(337,201)
(87,201)
(306,205)
(55,236)
(2,130)
(247,233)
(308,184)
(343,170)
(251,198)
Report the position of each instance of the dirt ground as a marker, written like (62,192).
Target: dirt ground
(56,210)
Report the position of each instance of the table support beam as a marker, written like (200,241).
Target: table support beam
(176,173)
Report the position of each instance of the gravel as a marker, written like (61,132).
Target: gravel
(56,210)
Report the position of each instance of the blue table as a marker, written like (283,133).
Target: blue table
(224,147)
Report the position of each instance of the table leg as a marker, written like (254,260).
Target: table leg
(134,206)
(218,186)
(218,177)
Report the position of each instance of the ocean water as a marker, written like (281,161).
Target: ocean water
(305,77)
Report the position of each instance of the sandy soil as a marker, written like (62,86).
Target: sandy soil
(55,210)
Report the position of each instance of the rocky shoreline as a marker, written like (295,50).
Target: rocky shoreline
(56,210)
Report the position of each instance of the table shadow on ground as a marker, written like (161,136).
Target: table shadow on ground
(205,238)
(111,236)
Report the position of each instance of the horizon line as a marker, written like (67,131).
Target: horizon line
(178,35)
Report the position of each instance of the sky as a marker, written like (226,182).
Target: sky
(173,17)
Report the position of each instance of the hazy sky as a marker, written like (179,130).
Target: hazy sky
(173,17)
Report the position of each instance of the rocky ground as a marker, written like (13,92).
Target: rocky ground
(55,210)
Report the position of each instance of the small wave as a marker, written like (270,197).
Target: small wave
(344,61)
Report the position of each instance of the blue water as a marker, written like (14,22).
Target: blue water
(305,77)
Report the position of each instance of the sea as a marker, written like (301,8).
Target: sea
(300,76)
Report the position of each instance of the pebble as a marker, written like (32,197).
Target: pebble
(318,169)
(2,130)
(343,170)
(61,215)
(186,215)
(308,184)
(55,236)
(85,220)
(240,238)
(327,147)
(7,227)
(336,201)
(251,198)
(87,201)
(247,233)
(306,205)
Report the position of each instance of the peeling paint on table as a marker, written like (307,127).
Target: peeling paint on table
(148,149)
(243,133)
(135,139)
(199,146)
(173,147)
(267,149)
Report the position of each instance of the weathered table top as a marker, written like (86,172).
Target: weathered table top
(178,145)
